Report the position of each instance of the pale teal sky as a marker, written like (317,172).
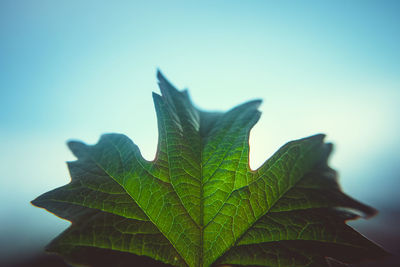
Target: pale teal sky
(77,69)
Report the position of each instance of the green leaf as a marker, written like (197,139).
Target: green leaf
(198,202)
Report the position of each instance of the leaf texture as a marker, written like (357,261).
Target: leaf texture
(198,202)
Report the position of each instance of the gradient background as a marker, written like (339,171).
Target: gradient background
(77,69)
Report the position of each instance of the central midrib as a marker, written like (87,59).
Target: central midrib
(201,206)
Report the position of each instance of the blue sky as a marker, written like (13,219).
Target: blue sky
(77,69)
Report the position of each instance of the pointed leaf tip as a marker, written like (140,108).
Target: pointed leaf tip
(157,100)
(155,95)
(252,103)
(167,89)
(78,148)
(159,74)
(319,136)
(161,78)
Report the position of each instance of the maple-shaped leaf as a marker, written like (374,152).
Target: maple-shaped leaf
(198,202)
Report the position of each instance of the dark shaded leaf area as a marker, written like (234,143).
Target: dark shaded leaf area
(198,203)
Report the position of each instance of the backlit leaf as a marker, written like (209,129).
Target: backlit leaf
(198,202)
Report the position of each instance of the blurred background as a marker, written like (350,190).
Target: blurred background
(77,69)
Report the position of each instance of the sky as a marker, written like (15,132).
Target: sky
(78,69)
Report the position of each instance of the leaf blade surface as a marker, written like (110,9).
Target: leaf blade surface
(199,203)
